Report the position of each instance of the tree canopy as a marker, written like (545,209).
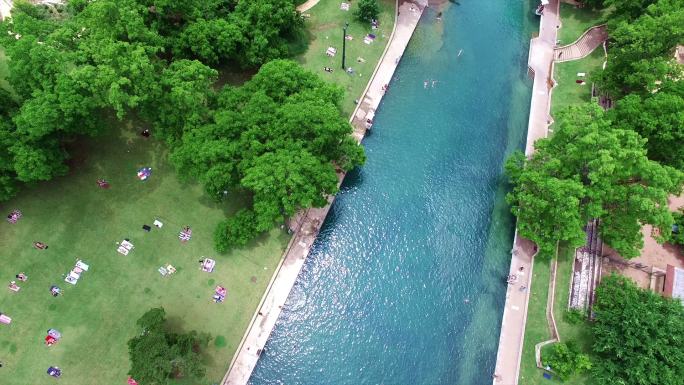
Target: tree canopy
(368,10)
(158,356)
(643,35)
(658,117)
(637,336)
(589,169)
(277,137)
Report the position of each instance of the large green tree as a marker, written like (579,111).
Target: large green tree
(658,117)
(640,48)
(279,137)
(637,336)
(158,356)
(72,65)
(588,169)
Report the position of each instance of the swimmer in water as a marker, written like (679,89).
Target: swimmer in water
(467,300)
(433,83)
(425,83)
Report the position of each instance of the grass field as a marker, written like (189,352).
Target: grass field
(569,93)
(537,329)
(576,21)
(78,220)
(325,25)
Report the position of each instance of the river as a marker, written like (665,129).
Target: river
(405,284)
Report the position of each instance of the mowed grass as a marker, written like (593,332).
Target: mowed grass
(325,25)
(568,92)
(576,21)
(536,328)
(79,220)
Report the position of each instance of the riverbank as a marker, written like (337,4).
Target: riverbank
(540,62)
(308,223)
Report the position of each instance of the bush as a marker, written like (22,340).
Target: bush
(157,355)
(235,231)
(368,10)
(574,316)
(677,237)
(565,360)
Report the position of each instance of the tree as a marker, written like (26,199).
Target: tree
(186,97)
(587,170)
(157,355)
(278,137)
(235,231)
(565,360)
(368,10)
(267,25)
(288,180)
(657,117)
(211,41)
(677,233)
(641,48)
(637,335)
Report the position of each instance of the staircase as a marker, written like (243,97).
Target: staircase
(582,47)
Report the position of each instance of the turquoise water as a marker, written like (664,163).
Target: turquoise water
(405,283)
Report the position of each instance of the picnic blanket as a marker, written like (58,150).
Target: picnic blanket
(14,216)
(208,265)
(125,247)
(185,235)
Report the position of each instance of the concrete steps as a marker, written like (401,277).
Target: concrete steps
(582,47)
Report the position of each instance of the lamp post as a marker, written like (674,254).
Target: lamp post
(344,43)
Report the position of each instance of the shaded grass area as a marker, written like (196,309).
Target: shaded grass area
(576,21)
(79,220)
(569,93)
(536,328)
(325,25)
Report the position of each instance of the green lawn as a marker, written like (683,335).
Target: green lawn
(576,21)
(536,328)
(325,27)
(569,93)
(78,220)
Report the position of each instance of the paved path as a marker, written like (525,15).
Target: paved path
(5,8)
(582,47)
(308,224)
(540,61)
(307,6)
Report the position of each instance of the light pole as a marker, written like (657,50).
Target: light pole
(344,43)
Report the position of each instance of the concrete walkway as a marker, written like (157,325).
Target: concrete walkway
(5,8)
(307,6)
(512,336)
(307,225)
(582,47)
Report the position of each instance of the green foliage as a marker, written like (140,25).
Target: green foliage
(158,355)
(279,137)
(586,170)
(678,237)
(641,43)
(637,335)
(235,231)
(91,59)
(657,117)
(566,360)
(368,10)
(574,316)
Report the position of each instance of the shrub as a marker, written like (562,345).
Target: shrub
(565,360)
(368,10)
